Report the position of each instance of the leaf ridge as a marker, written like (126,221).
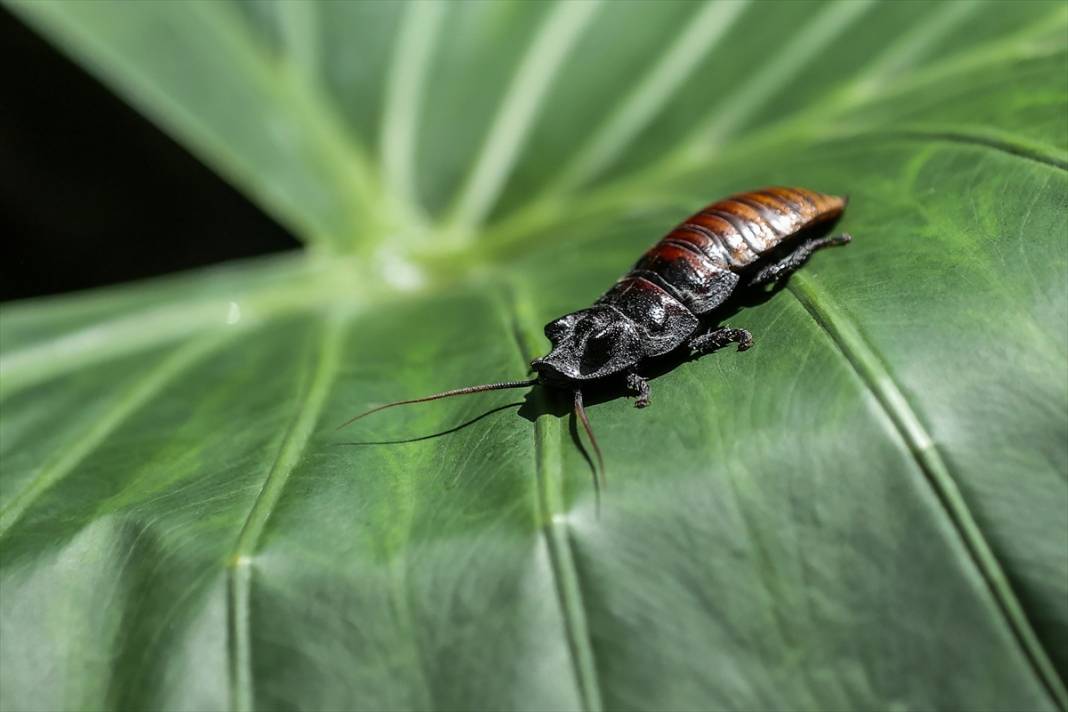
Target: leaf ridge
(341,153)
(305,284)
(103,340)
(703,32)
(871,370)
(548,468)
(816,35)
(991,141)
(239,565)
(409,69)
(552,44)
(906,51)
(299,25)
(717,125)
(134,397)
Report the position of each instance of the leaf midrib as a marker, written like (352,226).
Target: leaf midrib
(879,381)
(551,516)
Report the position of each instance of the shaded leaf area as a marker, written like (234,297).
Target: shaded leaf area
(874,494)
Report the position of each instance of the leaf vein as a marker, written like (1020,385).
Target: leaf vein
(873,373)
(134,397)
(991,141)
(408,76)
(552,44)
(703,32)
(548,467)
(239,572)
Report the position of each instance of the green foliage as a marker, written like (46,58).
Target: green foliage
(865,511)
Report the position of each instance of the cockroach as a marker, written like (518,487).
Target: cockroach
(747,240)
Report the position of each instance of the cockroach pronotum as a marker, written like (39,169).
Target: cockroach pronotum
(748,240)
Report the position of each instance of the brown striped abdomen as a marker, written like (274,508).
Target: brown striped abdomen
(698,262)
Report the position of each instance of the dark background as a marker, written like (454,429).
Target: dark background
(91,193)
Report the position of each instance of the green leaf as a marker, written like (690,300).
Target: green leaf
(868,510)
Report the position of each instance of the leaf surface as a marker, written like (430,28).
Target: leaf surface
(874,495)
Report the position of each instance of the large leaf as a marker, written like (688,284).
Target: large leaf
(868,510)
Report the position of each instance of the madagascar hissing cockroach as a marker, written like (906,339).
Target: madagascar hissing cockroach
(748,240)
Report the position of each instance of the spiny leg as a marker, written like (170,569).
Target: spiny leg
(778,270)
(641,387)
(718,338)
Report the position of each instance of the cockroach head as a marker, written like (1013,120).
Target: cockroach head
(589,344)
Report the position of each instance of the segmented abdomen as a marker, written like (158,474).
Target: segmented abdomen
(697,262)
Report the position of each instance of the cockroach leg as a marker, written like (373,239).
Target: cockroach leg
(720,337)
(640,386)
(784,267)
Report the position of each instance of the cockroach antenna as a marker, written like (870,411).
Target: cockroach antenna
(444,394)
(580,414)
